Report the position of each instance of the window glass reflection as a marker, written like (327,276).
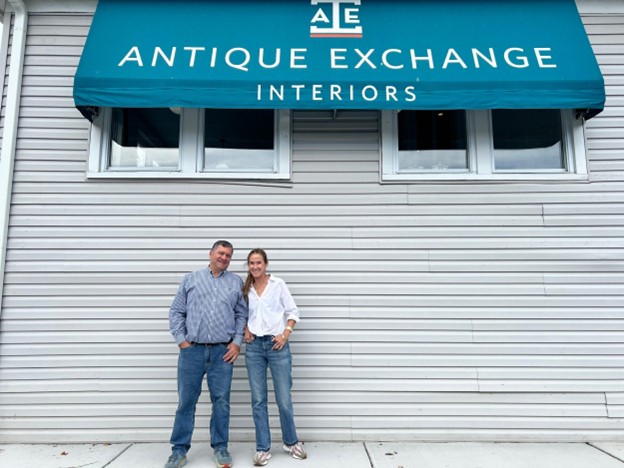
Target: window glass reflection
(238,140)
(145,138)
(432,140)
(527,139)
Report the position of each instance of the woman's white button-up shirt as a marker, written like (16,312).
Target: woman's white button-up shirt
(269,313)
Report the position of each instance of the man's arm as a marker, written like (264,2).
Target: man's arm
(177,314)
(241,312)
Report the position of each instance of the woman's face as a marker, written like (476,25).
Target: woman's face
(257,266)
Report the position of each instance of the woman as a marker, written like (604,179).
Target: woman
(272,318)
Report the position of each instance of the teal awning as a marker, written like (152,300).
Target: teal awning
(338,54)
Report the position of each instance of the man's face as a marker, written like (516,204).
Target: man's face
(220,259)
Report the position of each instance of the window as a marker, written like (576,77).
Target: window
(238,142)
(432,141)
(144,138)
(191,143)
(527,140)
(534,144)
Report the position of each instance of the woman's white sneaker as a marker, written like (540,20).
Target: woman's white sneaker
(261,458)
(296,451)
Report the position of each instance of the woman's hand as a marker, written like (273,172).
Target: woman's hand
(248,337)
(279,341)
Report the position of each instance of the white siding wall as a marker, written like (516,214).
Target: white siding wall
(452,311)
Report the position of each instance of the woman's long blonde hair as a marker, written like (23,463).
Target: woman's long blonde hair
(249,279)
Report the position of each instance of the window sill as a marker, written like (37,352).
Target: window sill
(163,175)
(495,178)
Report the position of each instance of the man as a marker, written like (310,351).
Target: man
(207,320)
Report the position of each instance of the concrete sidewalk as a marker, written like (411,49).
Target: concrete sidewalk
(326,455)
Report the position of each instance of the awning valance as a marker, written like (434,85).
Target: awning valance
(338,54)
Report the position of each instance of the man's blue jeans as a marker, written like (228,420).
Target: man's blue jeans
(259,356)
(193,363)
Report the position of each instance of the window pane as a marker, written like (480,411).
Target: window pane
(239,128)
(432,140)
(239,140)
(146,138)
(527,139)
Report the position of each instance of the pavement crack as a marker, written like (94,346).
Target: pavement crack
(605,452)
(118,455)
(370,459)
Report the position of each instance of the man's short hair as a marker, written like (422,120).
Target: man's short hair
(223,243)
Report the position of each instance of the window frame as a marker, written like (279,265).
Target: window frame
(191,151)
(481,156)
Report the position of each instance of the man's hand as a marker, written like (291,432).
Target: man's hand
(184,345)
(232,353)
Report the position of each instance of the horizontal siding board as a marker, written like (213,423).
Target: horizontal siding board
(145,362)
(611,166)
(451,243)
(359,396)
(455,337)
(466,422)
(429,195)
(539,376)
(560,254)
(162,372)
(505,198)
(608,263)
(317,353)
(29,195)
(522,191)
(374,213)
(548,337)
(61,121)
(616,411)
(607,177)
(308,385)
(105,355)
(18,322)
(363,396)
(575,278)
(305,289)
(338,309)
(497,232)
(304,410)
(601,19)
(296,273)
(588,220)
(551,210)
(381,301)
(308,194)
(553,386)
(475,313)
(548,374)
(371,237)
(328,434)
(513,360)
(488,349)
(488,301)
(602,30)
(551,326)
(135,263)
(309,260)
